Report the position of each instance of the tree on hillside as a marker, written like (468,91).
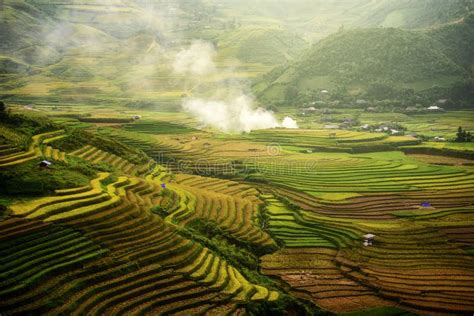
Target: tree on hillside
(463,135)
(3,110)
(463,91)
(291,94)
(459,135)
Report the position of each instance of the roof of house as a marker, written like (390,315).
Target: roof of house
(369,236)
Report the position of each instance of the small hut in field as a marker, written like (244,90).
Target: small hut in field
(368,239)
(45,164)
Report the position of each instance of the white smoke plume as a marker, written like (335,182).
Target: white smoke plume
(234,115)
(231,113)
(288,122)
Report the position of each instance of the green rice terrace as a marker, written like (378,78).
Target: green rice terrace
(251,228)
(236,157)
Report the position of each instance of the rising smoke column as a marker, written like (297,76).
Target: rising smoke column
(231,113)
(234,115)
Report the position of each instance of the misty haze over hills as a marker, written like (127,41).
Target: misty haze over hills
(125,48)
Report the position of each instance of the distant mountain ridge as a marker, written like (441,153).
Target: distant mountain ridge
(357,58)
(122,48)
(413,14)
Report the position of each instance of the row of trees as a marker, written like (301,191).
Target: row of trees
(462,136)
(458,96)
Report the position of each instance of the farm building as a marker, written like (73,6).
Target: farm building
(368,239)
(394,132)
(45,164)
(435,108)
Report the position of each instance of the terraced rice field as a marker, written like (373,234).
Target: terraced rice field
(419,258)
(95,156)
(115,246)
(150,208)
(363,173)
(177,153)
(150,268)
(230,205)
(11,156)
(331,141)
(99,250)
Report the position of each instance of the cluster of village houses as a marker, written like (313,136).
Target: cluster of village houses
(381,128)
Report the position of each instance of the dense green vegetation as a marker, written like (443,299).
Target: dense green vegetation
(381,54)
(78,138)
(463,136)
(30,179)
(380,64)
(457,41)
(270,46)
(18,128)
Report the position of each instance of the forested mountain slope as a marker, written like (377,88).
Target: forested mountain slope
(354,59)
